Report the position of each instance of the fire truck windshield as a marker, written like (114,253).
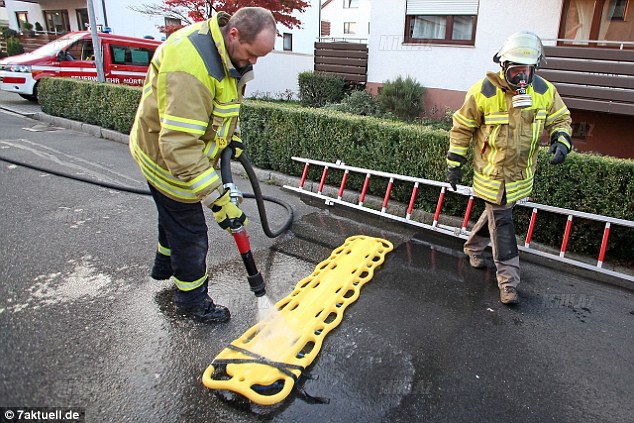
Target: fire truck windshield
(57,45)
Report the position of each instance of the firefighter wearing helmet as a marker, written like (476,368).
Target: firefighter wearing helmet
(502,120)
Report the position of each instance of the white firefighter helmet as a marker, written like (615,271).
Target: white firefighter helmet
(522,47)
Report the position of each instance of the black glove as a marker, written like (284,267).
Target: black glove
(454,174)
(454,169)
(560,146)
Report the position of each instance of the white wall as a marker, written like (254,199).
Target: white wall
(70,6)
(124,21)
(4,16)
(452,67)
(277,72)
(303,38)
(20,6)
(335,13)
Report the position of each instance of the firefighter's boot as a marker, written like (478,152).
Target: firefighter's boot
(209,312)
(476,260)
(198,306)
(508,295)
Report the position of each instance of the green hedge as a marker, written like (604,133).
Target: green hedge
(318,89)
(107,105)
(274,132)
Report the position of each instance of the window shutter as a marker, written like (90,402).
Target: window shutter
(442,7)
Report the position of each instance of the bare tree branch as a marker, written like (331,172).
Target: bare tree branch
(154,9)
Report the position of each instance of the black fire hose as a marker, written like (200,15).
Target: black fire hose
(257,192)
(77,178)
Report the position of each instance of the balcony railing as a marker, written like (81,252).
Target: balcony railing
(592,78)
(590,43)
(30,42)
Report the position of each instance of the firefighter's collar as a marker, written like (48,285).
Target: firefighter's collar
(497,79)
(219,20)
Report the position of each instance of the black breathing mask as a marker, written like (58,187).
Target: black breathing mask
(519,77)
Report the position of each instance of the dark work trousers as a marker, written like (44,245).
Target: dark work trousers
(182,229)
(496,225)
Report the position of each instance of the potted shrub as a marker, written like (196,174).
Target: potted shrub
(27,28)
(14,46)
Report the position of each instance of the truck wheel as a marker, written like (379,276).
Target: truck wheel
(32,98)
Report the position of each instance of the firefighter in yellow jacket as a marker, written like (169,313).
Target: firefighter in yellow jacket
(187,115)
(502,119)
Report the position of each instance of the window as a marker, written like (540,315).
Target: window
(325,28)
(171,25)
(581,130)
(82,19)
(442,21)
(585,21)
(349,4)
(287,42)
(81,50)
(127,55)
(21,17)
(618,9)
(57,21)
(350,28)
(173,22)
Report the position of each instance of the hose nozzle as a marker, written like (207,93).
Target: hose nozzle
(257,285)
(256,282)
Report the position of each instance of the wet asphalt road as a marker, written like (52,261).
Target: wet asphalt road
(83,325)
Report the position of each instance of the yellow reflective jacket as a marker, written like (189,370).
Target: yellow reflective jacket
(188,111)
(505,139)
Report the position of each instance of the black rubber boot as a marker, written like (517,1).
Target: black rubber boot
(162,268)
(198,306)
(208,312)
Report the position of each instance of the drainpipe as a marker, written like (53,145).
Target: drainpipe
(319,23)
(105,15)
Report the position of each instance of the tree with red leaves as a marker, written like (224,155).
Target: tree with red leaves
(190,11)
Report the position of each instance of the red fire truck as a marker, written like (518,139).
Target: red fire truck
(125,61)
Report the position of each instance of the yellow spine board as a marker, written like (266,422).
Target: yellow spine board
(265,362)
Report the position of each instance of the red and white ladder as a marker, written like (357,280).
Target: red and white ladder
(462,231)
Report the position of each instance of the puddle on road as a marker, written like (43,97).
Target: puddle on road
(356,375)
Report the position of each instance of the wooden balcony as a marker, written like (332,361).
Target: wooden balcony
(349,60)
(592,79)
(31,42)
